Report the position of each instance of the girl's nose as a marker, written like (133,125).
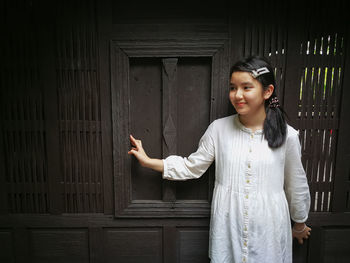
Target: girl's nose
(239,94)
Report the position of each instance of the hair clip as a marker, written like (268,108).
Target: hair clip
(260,71)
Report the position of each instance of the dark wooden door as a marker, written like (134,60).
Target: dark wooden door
(78,77)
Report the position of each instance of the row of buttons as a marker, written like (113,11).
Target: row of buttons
(246,190)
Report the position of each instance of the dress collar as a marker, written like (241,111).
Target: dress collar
(243,128)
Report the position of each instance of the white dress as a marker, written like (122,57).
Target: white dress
(257,190)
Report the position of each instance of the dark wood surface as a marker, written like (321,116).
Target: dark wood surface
(77,77)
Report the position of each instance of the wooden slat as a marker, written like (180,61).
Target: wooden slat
(170,248)
(3,143)
(169,76)
(341,175)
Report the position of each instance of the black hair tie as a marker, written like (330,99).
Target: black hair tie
(274,102)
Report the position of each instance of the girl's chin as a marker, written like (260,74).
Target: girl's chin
(241,111)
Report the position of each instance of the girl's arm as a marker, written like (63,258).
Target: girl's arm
(296,187)
(175,167)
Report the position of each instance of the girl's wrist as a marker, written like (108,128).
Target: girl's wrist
(299,227)
(148,162)
(155,164)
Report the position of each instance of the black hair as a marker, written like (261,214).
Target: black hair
(275,126)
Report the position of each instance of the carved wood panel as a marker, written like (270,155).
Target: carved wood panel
(172,59)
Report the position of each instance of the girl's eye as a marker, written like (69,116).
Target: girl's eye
(246,87)
(232,88)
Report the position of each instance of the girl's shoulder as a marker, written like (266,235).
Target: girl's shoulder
(223,123)
(292,135)
(220,126)
(291,131)
(224,120)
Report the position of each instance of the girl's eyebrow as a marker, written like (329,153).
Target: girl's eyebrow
(243,83)
(246,83)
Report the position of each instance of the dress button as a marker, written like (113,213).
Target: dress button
(245,244)
(245,228)
(243,259)
(252,136)
(248,181)
(250,150)
(246,196)
(248,165)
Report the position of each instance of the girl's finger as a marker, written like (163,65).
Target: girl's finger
(133,141)
(134,152)
(136,143)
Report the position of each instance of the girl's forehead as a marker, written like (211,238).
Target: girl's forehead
(242,77)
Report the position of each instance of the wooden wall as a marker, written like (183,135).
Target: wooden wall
(77,77)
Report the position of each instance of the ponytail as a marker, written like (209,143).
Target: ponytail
(275,127)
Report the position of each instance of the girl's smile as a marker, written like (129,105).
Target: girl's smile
(241,104)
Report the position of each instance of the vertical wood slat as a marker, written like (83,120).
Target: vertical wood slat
(169,77)
(120,109)
(3,141)
(342,171)
(83,87)
(103,76)
(89,153)
(22,145)
(49,83)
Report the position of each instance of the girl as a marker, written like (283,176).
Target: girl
(260,181)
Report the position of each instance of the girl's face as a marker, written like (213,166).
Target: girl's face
(247,94)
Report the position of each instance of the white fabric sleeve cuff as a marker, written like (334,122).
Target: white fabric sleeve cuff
(165,170)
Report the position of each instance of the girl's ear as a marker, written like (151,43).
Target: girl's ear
(268,92)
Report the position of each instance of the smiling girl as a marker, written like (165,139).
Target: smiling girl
(260,182)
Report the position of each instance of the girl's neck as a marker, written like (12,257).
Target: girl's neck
(254,121)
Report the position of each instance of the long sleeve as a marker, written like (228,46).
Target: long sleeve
(195,165)
(295,181)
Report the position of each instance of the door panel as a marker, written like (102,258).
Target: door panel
(183,76)
(133,245)
(194,86)
(146,124)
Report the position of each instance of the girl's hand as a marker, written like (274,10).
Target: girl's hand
(138,151)
(300,231)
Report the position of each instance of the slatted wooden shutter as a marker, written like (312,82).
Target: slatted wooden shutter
(25,185)
(314,108)
(79,108)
